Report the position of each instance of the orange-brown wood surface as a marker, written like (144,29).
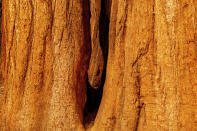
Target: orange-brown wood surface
(49,47)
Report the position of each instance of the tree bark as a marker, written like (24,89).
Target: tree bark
(99,23)
(151,71)
(45,59)
(151,79)
(96,65)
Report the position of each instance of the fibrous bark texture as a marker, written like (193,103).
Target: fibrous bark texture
(45,59)
(1,79)
(151,70)
(151,73)
(99,23)
(1,91)
(96,60)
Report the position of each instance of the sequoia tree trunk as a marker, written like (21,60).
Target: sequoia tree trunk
(46,47)
(151,79)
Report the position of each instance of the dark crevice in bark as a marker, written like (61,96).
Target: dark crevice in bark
(0,36)
(0,23)
(92,104)
(104,31)
(94,96)
(86,44)
(138,86)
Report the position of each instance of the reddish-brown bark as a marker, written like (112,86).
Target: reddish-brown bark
(45,58)
(151,79)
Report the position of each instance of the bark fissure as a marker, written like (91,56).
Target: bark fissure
(99,22)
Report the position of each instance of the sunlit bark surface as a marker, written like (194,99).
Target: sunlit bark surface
(45,58)
(151,81)
(151,78)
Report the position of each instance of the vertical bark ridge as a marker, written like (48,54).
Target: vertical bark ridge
(71,35)
(163,96)
(117,103)
(96,65)
(46,49)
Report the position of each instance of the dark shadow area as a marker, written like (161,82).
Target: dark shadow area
(94,96)
(104,31)
(0,24)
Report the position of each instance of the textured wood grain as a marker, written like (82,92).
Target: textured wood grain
(151,79)
(99,23)
(151,70)
(1,91)
(96,64)
(45,55)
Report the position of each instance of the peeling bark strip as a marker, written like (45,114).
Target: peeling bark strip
(96,64)
(100,14)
